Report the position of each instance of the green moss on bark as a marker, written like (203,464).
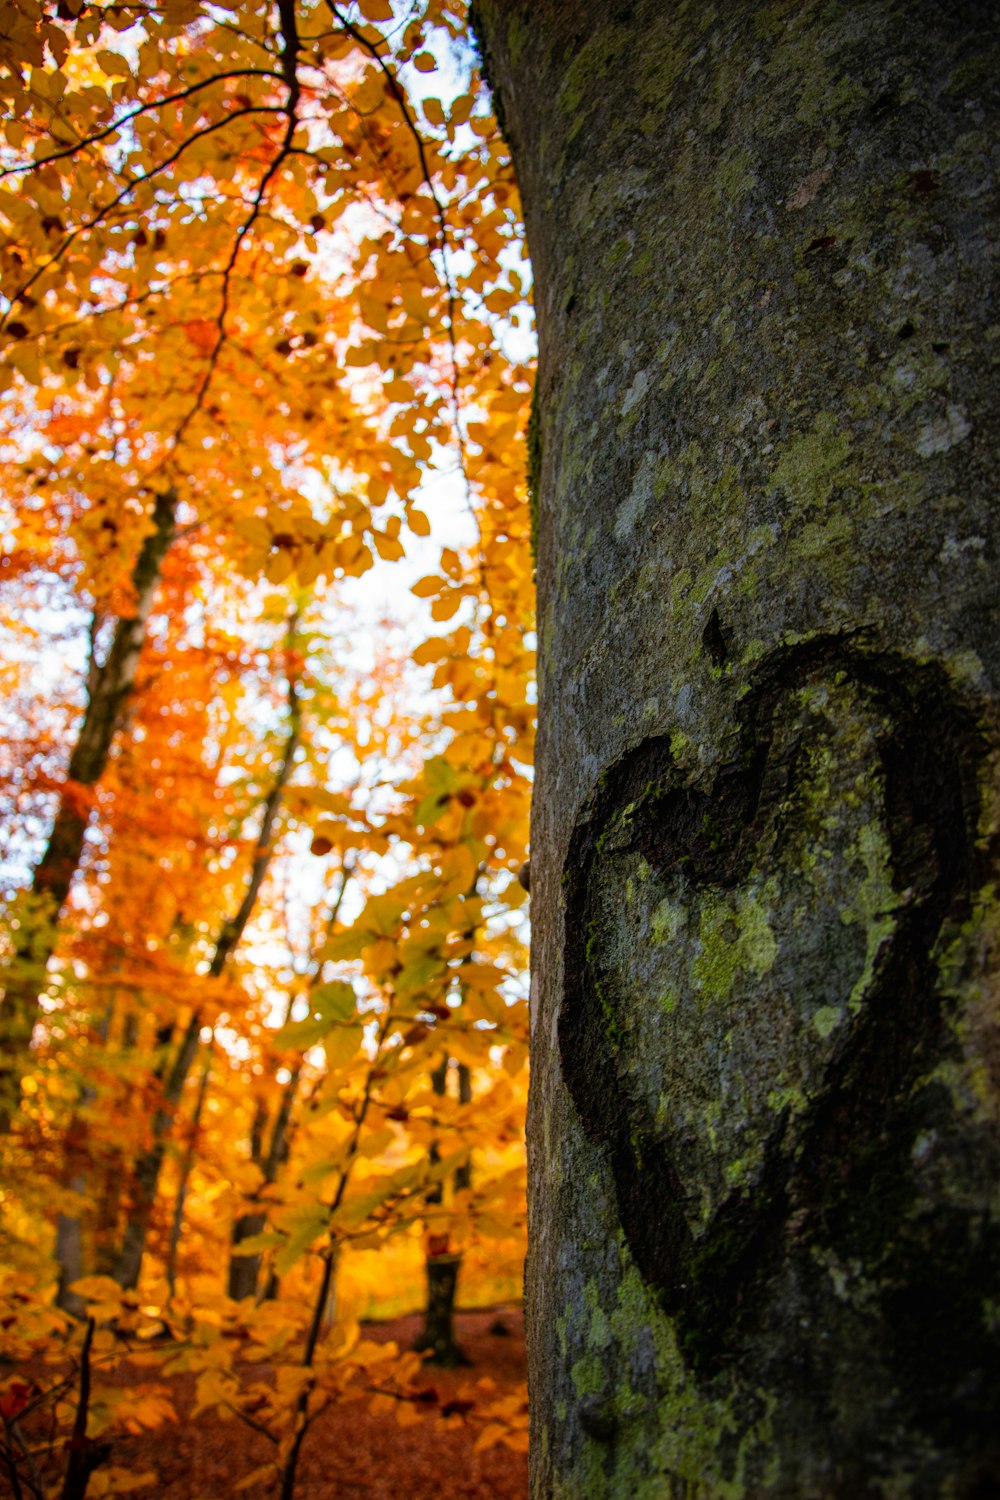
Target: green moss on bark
(762,243)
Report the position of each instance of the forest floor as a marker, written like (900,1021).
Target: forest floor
(350,1453)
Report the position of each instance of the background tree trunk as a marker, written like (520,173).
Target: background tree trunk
(148,1165)
(186,1167)
(443,1264)
(763,1125)
(245,1270)
(109,688)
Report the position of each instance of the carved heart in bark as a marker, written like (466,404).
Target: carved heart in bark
(749,978)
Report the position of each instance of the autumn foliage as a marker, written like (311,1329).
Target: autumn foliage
(266,609)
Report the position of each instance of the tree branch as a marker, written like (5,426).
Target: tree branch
(133,114)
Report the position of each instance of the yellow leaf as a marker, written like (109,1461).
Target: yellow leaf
(341,1046)
(279,567)
(309,567)
(368,95)
(118,1481)
(252,529)
(114,65)
(377,1141)
(149,1410)
(387,547)
(25,360)
(375,10)
(90,1287)
(266,1471)
(445,605)
(360,563)
(491,1434)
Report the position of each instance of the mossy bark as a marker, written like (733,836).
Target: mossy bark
(763,1133)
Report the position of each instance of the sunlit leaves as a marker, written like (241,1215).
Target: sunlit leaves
(287,300)
(375,10)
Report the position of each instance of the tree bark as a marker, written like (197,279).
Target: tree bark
(109,688)
(70,1255)
(184,1177)
(69,1246)
(763,1148)
(147,1168)
(443,1264)
(244,1270)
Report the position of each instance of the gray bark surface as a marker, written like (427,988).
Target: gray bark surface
(764,1253)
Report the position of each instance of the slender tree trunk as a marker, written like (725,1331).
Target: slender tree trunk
(244,1270)
(443,1264)
(84,1455)
(184,1179)
(146,1172)
(107,1210)
(70,1248)
(109,689)
(70,1255)
(763,1130)
(146,1175)
(109,1197)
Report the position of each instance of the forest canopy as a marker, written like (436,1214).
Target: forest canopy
(266,609)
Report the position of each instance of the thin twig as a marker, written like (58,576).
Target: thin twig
(329,1258)
(7,1454)
(133,114)
(452,296)
(289,62)
(130,188)
(80,1461)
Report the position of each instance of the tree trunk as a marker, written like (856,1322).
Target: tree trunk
(110,686)
(244,1270)
(184,1178)
(70,1255)
(443,1264)
(70,1246)
(765,1257)
(146,1175)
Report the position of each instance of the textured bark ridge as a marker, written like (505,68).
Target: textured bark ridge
(741,1086)
(765,1091)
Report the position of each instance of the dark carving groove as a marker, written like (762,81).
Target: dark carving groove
(840,1178)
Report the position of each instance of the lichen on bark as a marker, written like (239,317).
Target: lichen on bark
(763,1143)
